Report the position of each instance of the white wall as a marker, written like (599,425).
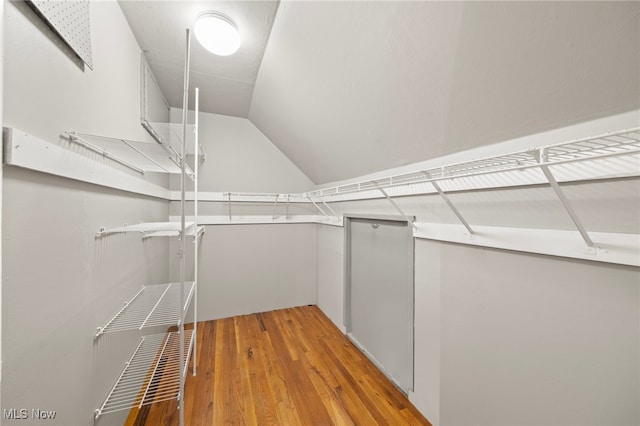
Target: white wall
(330,281)
(528,339)
(59,281)
(240,158)
(48,92)
(427,330)
(256,268)
(248,268)
(513,338)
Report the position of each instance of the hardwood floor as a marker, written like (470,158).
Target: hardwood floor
(285,367)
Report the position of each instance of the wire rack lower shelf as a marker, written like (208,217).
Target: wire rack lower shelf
(154,229)
(154,305)
(151,375)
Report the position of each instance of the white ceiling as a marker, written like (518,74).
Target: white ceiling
(226,83)
(347,88)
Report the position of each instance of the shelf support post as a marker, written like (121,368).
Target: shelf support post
(196,233)
(229,204)
(286,213)
(183,163)
(541,155)
(447,200)
(275,206)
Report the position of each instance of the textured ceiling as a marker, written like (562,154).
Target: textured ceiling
(347,88)
(226,83)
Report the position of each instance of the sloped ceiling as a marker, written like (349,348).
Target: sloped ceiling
(347,88)
(226,83)
(350,88)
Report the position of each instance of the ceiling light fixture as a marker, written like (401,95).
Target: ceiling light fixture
(217,33)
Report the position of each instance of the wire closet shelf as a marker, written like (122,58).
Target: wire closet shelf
(154,305)
(155,229)
(152,374)
(161,156)
(609,155)
(157,369)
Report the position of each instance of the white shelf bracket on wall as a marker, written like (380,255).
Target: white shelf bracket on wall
(229,204)
(542,157)
(318,207)
(453,208)
(395,206)
(327,206)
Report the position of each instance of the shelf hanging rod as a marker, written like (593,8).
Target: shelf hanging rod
(73,137)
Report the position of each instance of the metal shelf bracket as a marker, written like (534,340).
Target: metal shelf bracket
(318,207)
(453,208)
(541,157)
(395,206)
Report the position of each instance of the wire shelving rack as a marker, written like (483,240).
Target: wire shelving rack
(152,374)
(154,305)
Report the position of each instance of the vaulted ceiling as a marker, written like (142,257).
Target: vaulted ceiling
(346,88)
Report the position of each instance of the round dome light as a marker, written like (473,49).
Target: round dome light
(217,33)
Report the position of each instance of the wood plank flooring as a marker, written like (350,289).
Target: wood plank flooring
(285,367)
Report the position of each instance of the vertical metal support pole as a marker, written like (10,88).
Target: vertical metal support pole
(453,208)
(185,107)
(229,204)
(286,213)
(1,162)
(317,207)
(395,206)
(563,199)
(196,164)
(275,206)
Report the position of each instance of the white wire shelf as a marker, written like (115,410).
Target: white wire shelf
(610,155)
(154,305)
(151,375)
(141,157)
(171,134)
(154,229)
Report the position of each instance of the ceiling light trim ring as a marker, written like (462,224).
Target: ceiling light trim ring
(219,15)
(224,43)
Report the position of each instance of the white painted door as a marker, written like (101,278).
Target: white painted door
(380,294)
